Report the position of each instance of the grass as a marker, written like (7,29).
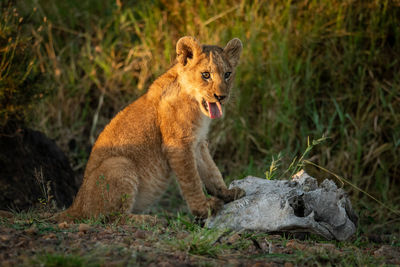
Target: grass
(199,240)
(19,77)
(60,260)
(180,240)
(309,69)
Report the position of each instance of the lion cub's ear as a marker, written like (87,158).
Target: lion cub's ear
(187,48)
(233,49)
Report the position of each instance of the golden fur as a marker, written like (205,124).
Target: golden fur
(161,133)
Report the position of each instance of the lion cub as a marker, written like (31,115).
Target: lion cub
(161,133)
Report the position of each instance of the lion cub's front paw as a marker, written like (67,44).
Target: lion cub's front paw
(232,194)
(212,206)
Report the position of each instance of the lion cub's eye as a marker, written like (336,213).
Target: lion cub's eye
(206,75)
(227,75)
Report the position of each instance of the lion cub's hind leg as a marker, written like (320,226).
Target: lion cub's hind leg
(111,188)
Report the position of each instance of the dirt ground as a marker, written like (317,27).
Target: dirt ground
(29,241)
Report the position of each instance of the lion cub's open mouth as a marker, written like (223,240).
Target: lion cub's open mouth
(214,109)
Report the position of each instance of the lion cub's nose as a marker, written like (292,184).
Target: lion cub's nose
(219,97)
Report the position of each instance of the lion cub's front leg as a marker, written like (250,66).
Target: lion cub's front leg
(212,177)
(182,161)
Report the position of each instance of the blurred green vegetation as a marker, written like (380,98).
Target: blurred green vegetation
(19,77)
(308,69)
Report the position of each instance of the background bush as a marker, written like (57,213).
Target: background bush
(19,77)
(309,69)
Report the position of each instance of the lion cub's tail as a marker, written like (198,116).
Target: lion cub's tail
(67,215)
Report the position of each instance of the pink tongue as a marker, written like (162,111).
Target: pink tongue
(214,110)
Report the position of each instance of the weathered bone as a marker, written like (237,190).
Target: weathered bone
(298,205)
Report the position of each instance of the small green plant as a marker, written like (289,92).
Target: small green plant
(100,220)
(202,241)
(46,201)
(183,222)
(298,164)
(61,260)
(271,172)
(295,166)
(125,197)
(197,240)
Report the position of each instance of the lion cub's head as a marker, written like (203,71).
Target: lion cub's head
(207,72)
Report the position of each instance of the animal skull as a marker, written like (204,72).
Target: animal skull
(297,205)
